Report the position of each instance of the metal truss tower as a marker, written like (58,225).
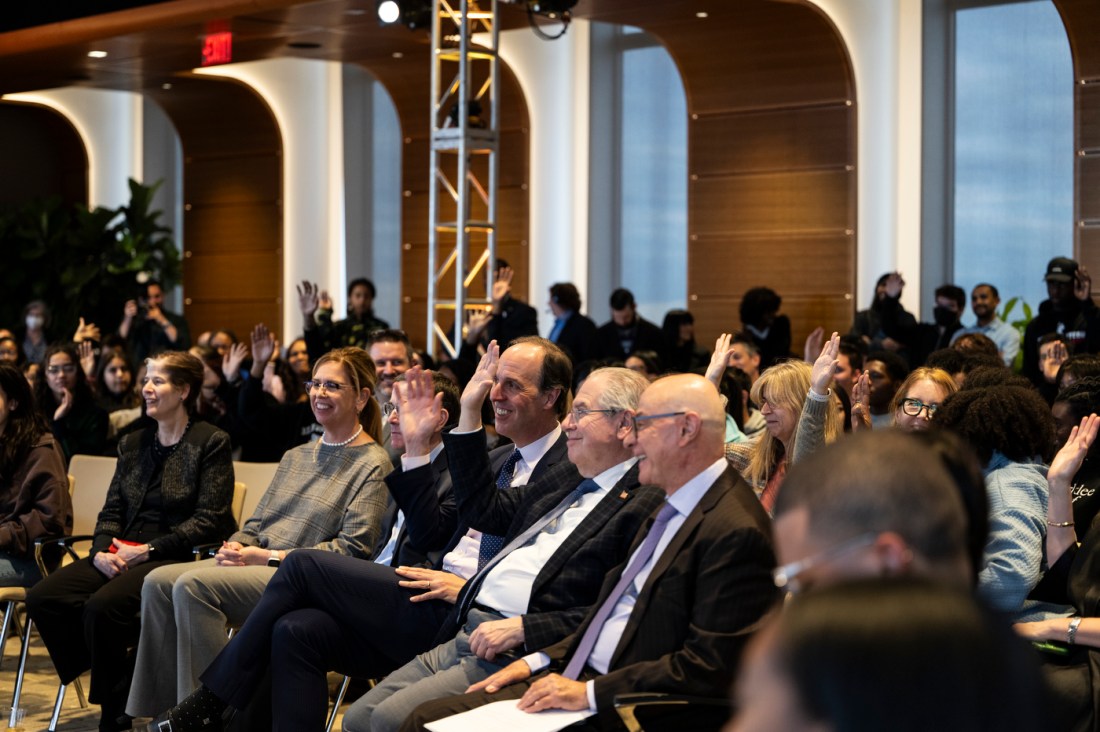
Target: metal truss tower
(462,202)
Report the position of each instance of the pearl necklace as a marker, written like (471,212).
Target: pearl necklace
(341,444)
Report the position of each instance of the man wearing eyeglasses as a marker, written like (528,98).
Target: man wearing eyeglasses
(873,504)
(675,617)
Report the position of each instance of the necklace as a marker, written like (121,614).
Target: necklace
(341,444)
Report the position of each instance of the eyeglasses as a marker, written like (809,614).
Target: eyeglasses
(328,386)
(636,418)
(786,578)
(66,369)
(914,407)
(389,408)
(580,413)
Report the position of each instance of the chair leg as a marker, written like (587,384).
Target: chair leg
(57,708)
(22,670)
(336,704)
(9,613)
(80,693)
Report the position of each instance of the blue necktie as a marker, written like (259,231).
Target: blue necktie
(491,544)
(555,332)
(643,555)
(474,585)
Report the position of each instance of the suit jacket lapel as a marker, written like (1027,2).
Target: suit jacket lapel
(596,519)
(671,553)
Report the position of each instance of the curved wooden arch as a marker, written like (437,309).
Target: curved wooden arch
(43,155)
(233,209)
(771,154)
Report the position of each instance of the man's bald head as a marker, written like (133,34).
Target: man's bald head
(680,430)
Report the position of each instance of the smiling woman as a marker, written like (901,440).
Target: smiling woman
(171,490)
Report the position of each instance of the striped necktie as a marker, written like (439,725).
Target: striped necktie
(491,544)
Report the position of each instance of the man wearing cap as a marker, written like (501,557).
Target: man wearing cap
(1069,311)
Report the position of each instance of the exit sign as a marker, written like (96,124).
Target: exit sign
(217,49)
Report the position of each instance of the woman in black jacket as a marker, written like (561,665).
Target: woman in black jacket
(172,489)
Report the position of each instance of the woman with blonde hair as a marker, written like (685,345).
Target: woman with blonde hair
(919,396)
(801,414)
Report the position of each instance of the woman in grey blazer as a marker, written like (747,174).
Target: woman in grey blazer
(172,489)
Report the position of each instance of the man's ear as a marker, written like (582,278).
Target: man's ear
(894,554)
(551,397)
(444,416)
(690,427)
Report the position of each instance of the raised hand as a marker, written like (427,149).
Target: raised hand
(419,410)
(502,285)
(87,359)
(861,403)
(264,345)
(231,362)
(478,388)
(1082,284)
(825,365)
(308,297)
(476,325)
(325,300)
(1070,458)
(86,332)
(813,344)
(719,360)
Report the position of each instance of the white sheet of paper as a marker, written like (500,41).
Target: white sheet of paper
(505,715)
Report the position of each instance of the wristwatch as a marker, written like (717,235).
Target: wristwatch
(273,560)
(151,551)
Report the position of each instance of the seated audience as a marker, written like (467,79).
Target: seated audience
(1012,432)
(33,335)
(321,334)
(684,354)
(1071,406)
(800,416)
(919,396)
(34,488)
(328,495)
(66,401)
(667,622)
(769,331)
(984,300)
(573,332)
(646,363)
(627,331)
(149,328)
(886,325)
(510,318)
(885,372)
(172,489)
(955,666)
(297,355)
(272,427)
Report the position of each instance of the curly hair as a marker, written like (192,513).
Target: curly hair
(1011,420)
(999,375)
(976,343)
(1082,397)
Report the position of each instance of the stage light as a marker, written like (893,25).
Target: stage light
(389,11)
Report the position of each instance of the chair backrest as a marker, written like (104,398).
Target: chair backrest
(240,491)
(91,477)
(257,476)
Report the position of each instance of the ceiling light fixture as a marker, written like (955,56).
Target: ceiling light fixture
(97,54)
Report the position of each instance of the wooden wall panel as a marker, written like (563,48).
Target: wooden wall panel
(232,191)
(1082,21)
(771,155)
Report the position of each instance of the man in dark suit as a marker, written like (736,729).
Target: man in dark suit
(573,332)
(677,616)
(540,589)
(627,331)
(357,616)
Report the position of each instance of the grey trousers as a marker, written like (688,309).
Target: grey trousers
(185,610)
(446,670)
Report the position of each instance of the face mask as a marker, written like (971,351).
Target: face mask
(943,316)
(34,322)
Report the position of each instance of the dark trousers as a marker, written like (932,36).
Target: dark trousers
(321,612)
(89,622)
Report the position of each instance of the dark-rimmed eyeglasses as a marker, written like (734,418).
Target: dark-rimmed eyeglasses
(913,407)
(636,418)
